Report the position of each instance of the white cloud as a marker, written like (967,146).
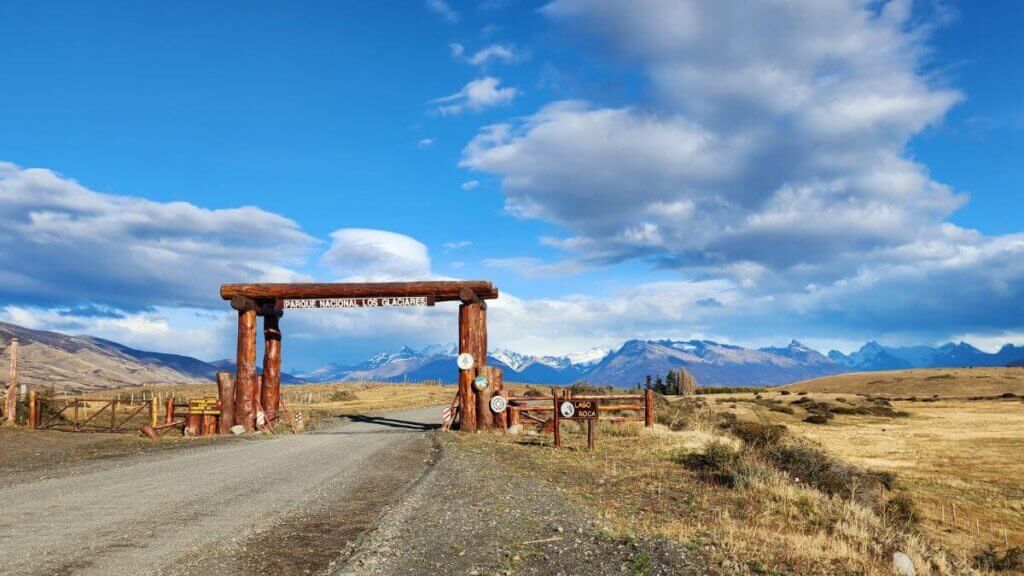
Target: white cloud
(457,245)
(442,9)
(501,53)
(425,143)
(535,267)
(359,253)
(475,96)
(470,185)
(66,243)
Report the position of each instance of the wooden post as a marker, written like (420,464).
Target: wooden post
(257,389)
(648,407)
(226,393)
(484,416)
(192,424)
(75,411)
(513,416)
(113,413)
(271,391)
(33,409)
(11,401)
(169,410)
(556,418)
(246,374)
(590,433)
(473,340)
(154,409)
(498,384)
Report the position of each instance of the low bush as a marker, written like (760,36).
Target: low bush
(1012,560)
(533,392)
(785,392)
(756,434)
(817,419)
(782,409)
(901,510)
(816,468)
(343,396)
(584,389)
(718,463)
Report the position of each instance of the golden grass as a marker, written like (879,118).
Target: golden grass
(772,525)
(945,382)
(319,400)
(949,453)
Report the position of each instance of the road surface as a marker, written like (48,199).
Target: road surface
(290,504)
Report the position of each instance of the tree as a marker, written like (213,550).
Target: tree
(648,380)
(671,383)
(685,382)
(659,385)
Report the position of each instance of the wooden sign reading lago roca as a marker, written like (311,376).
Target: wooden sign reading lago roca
(372,302)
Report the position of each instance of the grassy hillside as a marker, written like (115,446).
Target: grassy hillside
(944,382)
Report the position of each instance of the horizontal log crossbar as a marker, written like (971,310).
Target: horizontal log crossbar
(442,291)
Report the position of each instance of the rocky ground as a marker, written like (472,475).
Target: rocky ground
(467,516)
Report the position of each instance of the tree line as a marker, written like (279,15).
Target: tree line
(677,382)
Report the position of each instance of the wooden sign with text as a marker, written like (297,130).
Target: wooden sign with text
(372,302)
(204,406)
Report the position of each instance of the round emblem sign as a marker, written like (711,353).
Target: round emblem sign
(464,361)
(480,383)
(567,409)
(498,404)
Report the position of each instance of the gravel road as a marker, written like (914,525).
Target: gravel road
(286,505)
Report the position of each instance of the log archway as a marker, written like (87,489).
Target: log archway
(253,394)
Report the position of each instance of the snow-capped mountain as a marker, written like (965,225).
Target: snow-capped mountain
(712,363)
(873,356)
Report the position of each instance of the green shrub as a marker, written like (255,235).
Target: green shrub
(719,463)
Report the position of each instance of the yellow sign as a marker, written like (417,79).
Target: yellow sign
(204,406)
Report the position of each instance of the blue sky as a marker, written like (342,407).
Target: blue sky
(746,172)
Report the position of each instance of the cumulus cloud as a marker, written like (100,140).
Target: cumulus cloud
(66,243)
(443,9)
(470,185)
(425,143)
(475,96)
(377,255)
(775,162)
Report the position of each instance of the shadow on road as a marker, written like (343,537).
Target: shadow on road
(386,422)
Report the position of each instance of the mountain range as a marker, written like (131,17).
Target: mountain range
(89,364)
(86,363)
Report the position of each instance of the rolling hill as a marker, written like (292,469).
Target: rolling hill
(922,382)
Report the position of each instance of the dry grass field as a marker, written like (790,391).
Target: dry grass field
(834,498)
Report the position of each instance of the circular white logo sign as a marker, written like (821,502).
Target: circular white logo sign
(464,361)
(567,409)
(498,404)
(480,383)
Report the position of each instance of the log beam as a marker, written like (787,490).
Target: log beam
(245,375)
(443,291)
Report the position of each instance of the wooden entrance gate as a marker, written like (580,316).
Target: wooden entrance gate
(252,397)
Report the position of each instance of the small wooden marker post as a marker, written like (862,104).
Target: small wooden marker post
(11,401)
(590,433)
(556,418)
(226,393)
(169,410)
(33,409)
(154,409)
(648,407)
